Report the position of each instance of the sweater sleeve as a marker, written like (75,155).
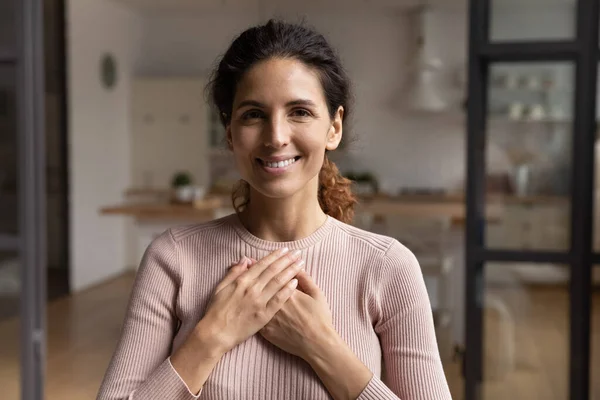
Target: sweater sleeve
(140,367)
(412,365)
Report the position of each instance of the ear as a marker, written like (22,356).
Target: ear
(229,138)
(334,135)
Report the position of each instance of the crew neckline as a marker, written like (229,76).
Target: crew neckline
(262,244)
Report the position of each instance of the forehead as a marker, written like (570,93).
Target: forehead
(280,80)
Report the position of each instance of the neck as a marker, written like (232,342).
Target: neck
(283,220)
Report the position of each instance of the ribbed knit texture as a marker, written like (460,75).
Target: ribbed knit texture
(373,284)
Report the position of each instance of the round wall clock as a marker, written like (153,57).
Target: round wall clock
(108,71)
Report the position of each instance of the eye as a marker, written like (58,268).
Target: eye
(301,112)
(252,114)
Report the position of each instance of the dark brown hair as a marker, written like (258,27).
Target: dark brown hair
(278,39)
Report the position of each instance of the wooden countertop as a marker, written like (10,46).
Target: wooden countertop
(200,211)
(158,211)
(378,208)
(450,197)
(450,205)
(493,198)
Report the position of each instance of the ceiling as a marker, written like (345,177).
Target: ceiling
(331,5)
(246,5)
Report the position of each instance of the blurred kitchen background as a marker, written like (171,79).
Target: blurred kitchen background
(132,148)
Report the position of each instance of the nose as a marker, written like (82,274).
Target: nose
(276,132)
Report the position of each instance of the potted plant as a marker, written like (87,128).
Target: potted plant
(182,187)
(364,183)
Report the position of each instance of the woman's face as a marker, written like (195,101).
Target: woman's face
(280,128)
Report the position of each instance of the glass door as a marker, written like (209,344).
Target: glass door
(530,138)
(10,266)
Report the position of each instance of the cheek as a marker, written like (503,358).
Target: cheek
(314,145)
(243,144)
(241,158)
(311,136)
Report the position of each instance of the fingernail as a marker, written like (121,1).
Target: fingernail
(244,260)
(284,250)
(296,253)
(294,283)
(300,263)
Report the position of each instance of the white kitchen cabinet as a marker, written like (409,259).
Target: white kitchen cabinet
(531,226)
(169,134)
(169,131)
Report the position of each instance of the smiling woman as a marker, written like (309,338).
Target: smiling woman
(314,308)
(279,131)
(289,106)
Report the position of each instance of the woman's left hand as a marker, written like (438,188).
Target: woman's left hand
(303,327)
(304,322)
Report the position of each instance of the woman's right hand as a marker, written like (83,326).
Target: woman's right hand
(247,298)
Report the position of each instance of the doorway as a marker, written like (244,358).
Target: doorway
(34,253)
(530,296)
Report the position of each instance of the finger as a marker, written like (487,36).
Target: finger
(282,278)
(308,286)
(265,262)
(234,272)
(273,271)
(279,299)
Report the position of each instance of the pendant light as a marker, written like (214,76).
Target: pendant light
(424,93)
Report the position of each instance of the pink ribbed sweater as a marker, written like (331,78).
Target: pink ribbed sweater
(373,285)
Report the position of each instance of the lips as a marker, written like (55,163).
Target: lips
(278,163)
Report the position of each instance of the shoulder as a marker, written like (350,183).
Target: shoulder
(182,232)
(357,236)
(191,237)
(398,266)
(176,248)
(386,259)
(390,259)
(398,255)
(392,275)
(385,247)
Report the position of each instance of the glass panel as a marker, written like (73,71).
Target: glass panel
(596,227)
(595,335)
(10,282)
(526,331)
(7,28)
(528,156)
(455,378)
(8,152)
(10,290)
(56,182)
(519,20)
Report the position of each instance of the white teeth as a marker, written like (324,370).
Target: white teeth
(280,164)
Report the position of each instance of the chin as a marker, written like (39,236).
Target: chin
(274,190)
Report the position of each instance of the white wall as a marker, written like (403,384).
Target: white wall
(98,135)
(187,45)
(375,48)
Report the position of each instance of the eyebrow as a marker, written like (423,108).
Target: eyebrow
(299,102)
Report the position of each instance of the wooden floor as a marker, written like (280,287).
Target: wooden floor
(58,286)
(83,329)
(82,332)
